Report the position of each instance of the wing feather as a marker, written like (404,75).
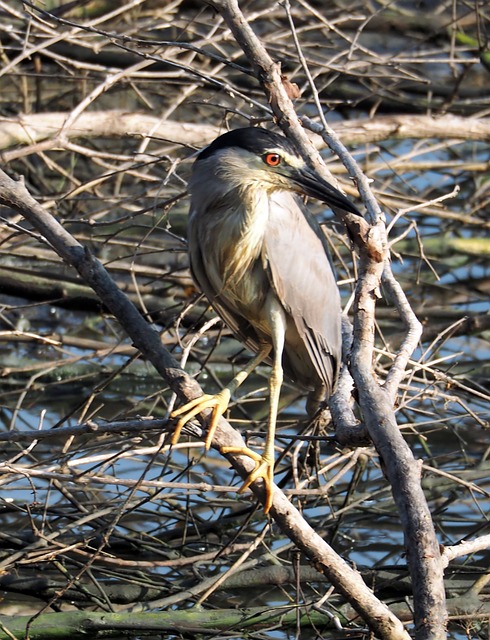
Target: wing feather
(296,254)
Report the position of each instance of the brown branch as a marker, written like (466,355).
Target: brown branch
(413,332)
(41,131)
(465,548)
(400,127)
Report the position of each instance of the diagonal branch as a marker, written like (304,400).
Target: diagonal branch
(346,579)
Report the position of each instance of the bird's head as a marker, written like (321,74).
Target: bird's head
(260,158)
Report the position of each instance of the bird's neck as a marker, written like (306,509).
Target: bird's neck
(248,222)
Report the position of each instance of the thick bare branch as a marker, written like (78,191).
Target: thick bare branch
(36,131)
(377,407)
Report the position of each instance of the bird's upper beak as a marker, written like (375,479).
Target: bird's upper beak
(311,184)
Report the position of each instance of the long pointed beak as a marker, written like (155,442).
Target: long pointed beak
(311,184)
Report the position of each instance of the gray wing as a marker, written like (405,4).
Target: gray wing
(296,255)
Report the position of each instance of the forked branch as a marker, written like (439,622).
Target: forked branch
(376,402)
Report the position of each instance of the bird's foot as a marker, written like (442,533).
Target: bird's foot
(218,403)
(264,468)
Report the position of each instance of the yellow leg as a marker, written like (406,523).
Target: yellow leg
(218,403)
(264,464)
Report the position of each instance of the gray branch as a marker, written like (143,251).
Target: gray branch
(376,402)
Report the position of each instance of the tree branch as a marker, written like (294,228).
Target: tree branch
(376,403)
(41,131)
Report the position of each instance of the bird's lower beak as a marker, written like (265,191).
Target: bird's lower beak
(311,184)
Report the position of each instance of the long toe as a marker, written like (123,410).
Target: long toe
(218,403)
(264,469)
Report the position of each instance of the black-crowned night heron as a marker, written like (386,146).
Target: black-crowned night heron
(262,261)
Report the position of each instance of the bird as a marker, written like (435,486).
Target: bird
(261,259)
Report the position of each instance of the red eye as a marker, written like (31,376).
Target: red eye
(272,159)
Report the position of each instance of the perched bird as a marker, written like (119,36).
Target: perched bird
(262,261)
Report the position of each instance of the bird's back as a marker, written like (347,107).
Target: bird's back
(303,279)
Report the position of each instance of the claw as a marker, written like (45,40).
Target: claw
(218,403)
(264,469)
